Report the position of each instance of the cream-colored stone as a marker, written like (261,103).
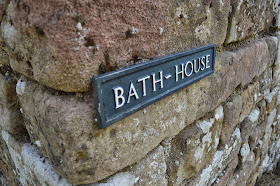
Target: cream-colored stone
(227,173)
(249,18)
(248,99)
(222,157)
(151,170)
(272,48)
(242,174)
(265,80)
(31,167)
(194,146)
(7,167)
(232,109)
(271,98)
(248,125)
(276,69)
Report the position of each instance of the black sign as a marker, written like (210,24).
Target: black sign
(125,91)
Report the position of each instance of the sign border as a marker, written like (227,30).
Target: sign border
(98,80)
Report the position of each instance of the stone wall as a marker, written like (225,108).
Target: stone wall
(221,130)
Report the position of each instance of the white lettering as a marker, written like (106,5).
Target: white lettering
(179,72)
(186,68)
(207,61)
(195,65)
(157,81)
(132,92)
(119,97)
(203,63)
(144,84)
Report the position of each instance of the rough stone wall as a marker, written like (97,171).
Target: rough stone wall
(221,130)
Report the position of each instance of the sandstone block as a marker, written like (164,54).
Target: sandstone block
(88,43)
(227,173)
(253,179)
(257,53)
(4,57)
(255,141)
(270,152)
(122,178)
(262,107)
(7,167)
(264,158)
(271,179)
(270,99)
(3,6)
(232,108)
(194,23)
(242,69)
(276,69)
(10,116)
(222,157)
(249,98)
(249,124)
(194,146)
(265,80)
(270,119)
(151,170)
(31,167)
(7,172)
(268,144)
(248,18)
(242,175)
(272,43)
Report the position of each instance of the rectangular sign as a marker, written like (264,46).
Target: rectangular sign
(125,91)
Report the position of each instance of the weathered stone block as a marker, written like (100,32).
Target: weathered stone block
(10,116)
(248,124)
(242,175)
(243,68)
(249,18)
(271,179)
(276,68)
(227,173)
(249,99)
(151,170)
(7,172)
(257,53)
(221,159)
(271,98)
(232,108)
(265,80)
(3,6)
(194,23)
(255,141)
(272,142)
(31,167)
(4,58)
(194,146)
(262,107)
(266,157)
(7,167)
(272,43)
